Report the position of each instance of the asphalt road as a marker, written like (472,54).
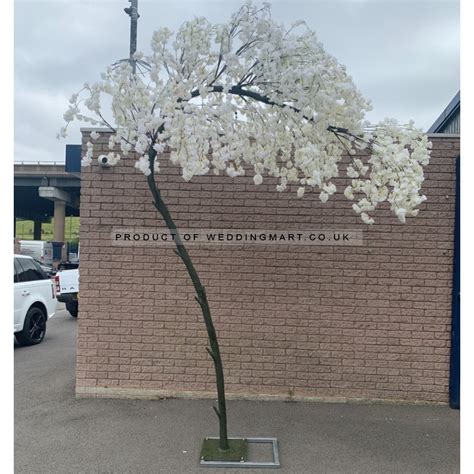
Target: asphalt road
(55,433)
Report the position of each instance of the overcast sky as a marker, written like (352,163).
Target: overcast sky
(402,54)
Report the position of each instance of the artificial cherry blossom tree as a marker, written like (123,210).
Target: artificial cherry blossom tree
(251,96)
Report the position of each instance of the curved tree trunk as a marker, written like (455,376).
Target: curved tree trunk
(200,297)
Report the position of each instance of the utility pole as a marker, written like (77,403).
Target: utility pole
(132,12)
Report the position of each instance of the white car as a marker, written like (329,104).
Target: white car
(67,286)
(35,300)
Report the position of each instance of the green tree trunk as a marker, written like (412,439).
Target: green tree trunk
(200,297)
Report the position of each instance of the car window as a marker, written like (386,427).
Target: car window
(18,269)
(40,269)
(29,270)
(42,265)
(68,266)
(15,274)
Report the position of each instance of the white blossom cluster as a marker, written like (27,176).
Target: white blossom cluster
(253,93)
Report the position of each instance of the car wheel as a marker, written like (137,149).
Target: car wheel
(34,328)
(73,308)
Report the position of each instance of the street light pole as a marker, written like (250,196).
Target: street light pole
(132,12)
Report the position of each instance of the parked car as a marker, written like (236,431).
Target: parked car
(68,265)
(34,300)
(67,289)
(39,249)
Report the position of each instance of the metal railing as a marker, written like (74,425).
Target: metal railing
(44,163)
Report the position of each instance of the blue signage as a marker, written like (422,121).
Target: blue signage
(73,158)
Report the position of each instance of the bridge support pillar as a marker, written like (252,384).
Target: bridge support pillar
(59,222)
(37,230)
(60,198)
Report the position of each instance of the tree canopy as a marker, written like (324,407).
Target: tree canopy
(254,94)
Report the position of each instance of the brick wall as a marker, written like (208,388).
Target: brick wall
(307,322)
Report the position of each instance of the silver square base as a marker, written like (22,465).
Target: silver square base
(275,463)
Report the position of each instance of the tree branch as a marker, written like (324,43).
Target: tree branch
(211,353)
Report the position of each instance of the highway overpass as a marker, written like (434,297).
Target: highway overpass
(43,190)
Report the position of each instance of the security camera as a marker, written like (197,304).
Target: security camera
(103,161)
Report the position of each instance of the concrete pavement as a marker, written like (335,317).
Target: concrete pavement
(55,433)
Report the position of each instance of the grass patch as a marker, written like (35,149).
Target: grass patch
(24,229)
(237,450)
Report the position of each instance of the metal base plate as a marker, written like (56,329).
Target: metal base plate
(275,463)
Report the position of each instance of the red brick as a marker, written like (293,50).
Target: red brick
(366,322)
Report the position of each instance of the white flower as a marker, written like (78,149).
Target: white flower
(87,158)
(401,213)
(348,192)
(113,158)
(194,107)
(112,139)
(95,135)
(233,173)
(323,196)
(159,148)
(366,219)
(352,173)
(143,165)
(70,114)
(330,188)
(139,148)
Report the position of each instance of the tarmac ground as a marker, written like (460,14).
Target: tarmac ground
(57,433)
